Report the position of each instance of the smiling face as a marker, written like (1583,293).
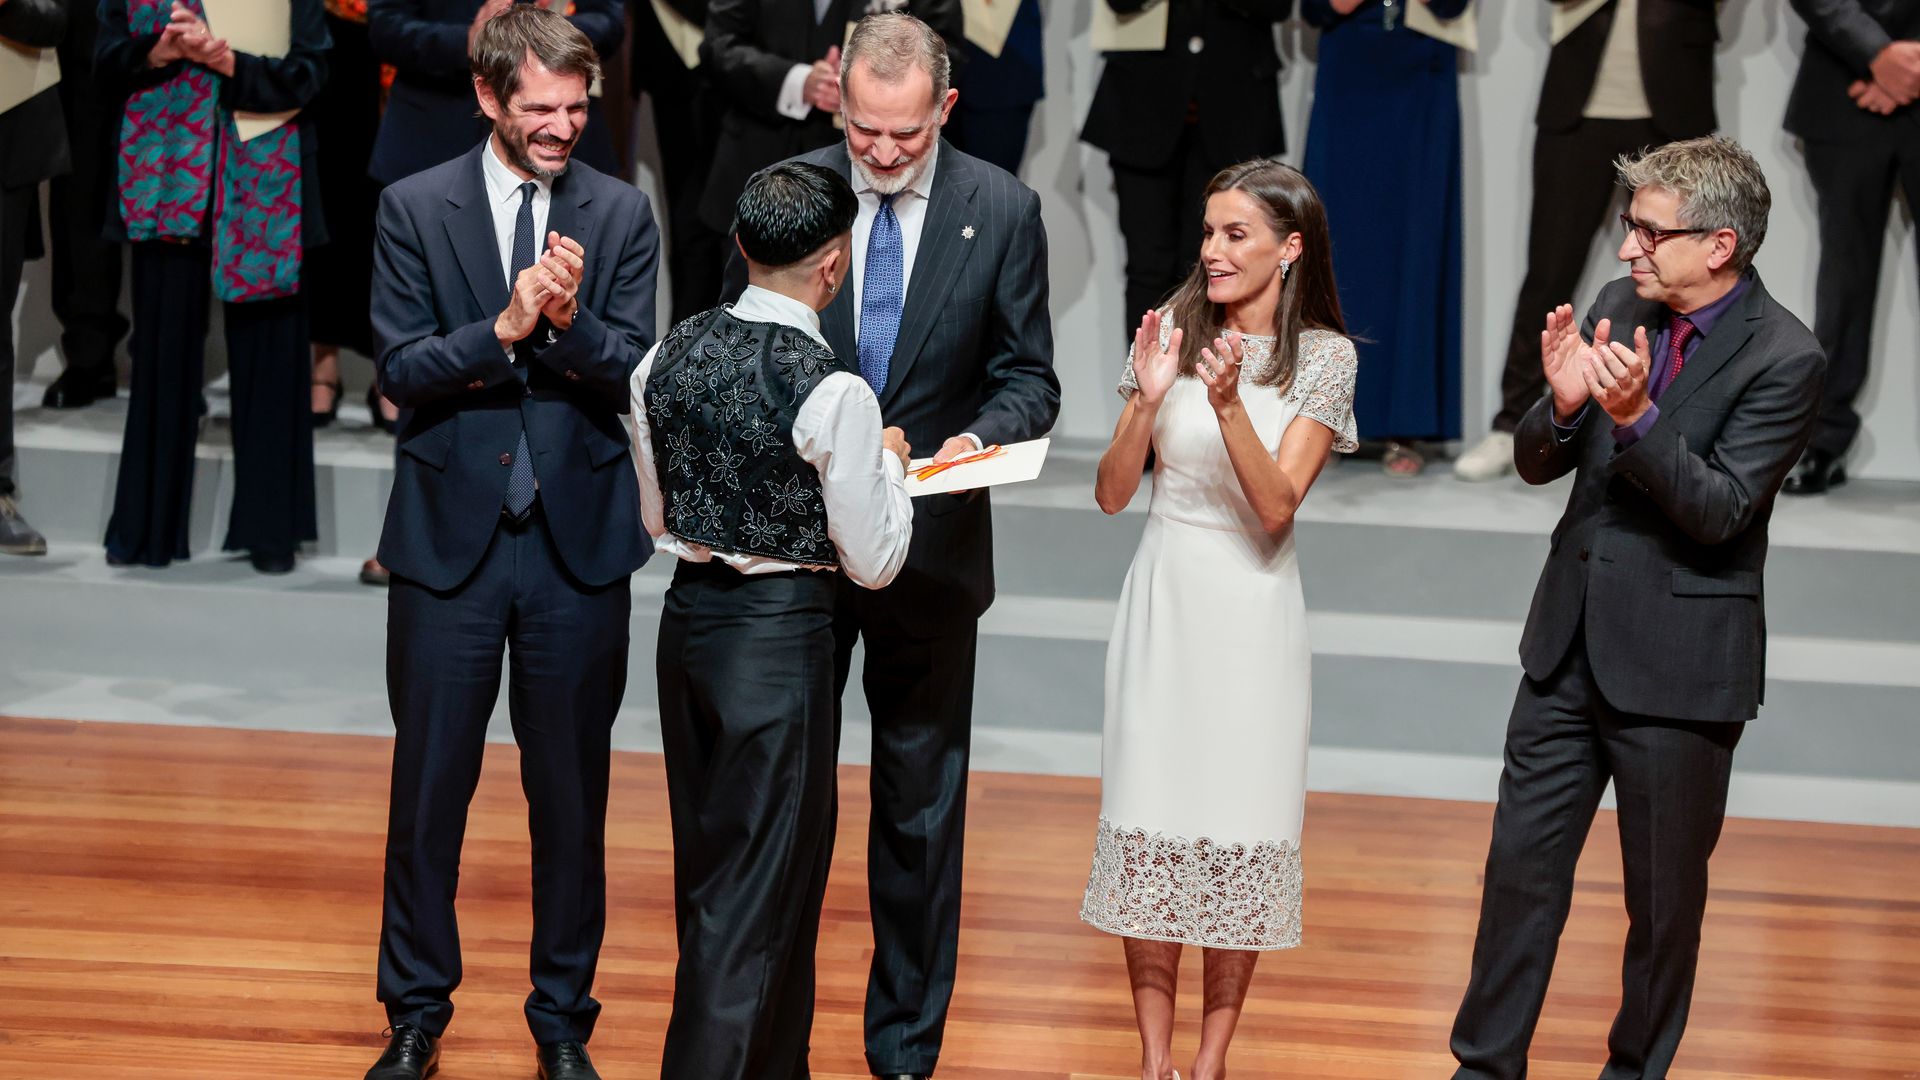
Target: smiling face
(892,128)
(1241,251)
(539,126)
(1676,269)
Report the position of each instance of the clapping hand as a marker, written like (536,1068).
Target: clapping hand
(566,264)
(1617,377)
(1219,368)
(822,88)
(1564,355)
(1155,367)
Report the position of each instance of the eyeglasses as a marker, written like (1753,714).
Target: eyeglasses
(1650,237)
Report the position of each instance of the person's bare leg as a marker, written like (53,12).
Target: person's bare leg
(1227,972)
(326,378)
(1153,967)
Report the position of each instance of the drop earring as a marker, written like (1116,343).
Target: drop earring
(1284,265)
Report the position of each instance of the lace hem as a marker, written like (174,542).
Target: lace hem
(1194,891)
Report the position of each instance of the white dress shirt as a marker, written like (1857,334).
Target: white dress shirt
(503,193)
(837,431)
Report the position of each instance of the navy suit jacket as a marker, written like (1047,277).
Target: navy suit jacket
(438,286)
(974,353)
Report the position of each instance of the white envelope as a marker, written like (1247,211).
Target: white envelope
(1569,14)
(259,27)
(25,73)
(1462,31)
(1144,31)
(682,33)
(987,22)
(1015,463)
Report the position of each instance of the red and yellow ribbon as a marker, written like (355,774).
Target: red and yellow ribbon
(927,472)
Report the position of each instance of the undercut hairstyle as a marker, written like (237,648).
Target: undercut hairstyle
(1718,183)
(894,44)
(791,210)
(509,38)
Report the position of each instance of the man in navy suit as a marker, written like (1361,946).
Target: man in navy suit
(514,522)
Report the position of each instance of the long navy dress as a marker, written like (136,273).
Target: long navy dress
(1383,148)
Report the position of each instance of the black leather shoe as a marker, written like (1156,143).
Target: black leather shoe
(565,1061)
(74,390)
(1817,472)
(412,1054)
(272,562)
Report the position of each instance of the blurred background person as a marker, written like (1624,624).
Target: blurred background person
(1383,148)
(1633,74)
(1170,119)
(1853,106)
(774,66)
(86,265)
(430,116)
(346,113)
(994,115)
(686,119)
(212,216)
(33,147)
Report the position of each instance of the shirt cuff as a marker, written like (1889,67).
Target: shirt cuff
(792,102)
(1566,432)
(1628,434)
(977,444)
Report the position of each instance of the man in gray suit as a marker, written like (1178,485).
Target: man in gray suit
(1680,405)
(945,313)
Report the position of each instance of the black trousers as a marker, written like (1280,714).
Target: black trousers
(268,364)
(1161,214)
(919,689)
(1573,184)
(745,666)
(566,652)
(16,214)
(1670,780)
(1853,183)
(86,266)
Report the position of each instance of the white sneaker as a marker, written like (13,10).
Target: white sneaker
(1489,459)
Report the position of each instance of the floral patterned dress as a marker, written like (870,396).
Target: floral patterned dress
(1208,682)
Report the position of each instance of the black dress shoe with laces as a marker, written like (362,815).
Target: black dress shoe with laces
(411,1054)
(565,1061)
(1817,472)
(77,390)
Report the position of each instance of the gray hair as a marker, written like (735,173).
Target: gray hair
(1718,183)
(895,43)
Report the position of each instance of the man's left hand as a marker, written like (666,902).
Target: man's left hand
(1617,378)
(566,260)
(1872,97)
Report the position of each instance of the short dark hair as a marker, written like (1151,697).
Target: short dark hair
(502,46)
(790,210)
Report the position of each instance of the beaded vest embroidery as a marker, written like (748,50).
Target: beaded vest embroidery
(721,400)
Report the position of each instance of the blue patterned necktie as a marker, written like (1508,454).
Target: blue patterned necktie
(882,294)
(520,488)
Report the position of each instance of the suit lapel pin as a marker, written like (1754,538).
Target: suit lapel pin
(966,232)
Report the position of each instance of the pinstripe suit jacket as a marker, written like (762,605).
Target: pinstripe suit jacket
(975,353)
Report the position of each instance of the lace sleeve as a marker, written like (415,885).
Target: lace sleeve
(1328,366)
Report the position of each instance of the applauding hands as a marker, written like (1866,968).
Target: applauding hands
(1603,371)
(1155,366)
(549,287)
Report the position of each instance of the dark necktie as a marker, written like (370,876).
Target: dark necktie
(882,294)
(1679,333)
(520,487)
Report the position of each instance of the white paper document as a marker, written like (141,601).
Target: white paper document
(1462,31)
(1144,31)
(260,28)
(988,22)
(1569,14)
(1016,462)
(25,73)
(682,33)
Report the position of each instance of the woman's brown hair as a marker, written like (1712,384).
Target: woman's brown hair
(1308,299)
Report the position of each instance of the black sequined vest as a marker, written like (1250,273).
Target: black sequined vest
(721,400)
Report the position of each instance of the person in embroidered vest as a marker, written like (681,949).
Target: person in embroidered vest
(1679,406)
(208,211)
(764,468)
(1209,684)
(513,295)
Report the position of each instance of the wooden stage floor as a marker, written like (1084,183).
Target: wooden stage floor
(187,904)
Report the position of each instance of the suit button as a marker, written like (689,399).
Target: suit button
(477,384)
(1195,44)
(574,375)
(1583,553)
(507,459)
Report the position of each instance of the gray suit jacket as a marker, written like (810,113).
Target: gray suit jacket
(975,353)
(1659,556)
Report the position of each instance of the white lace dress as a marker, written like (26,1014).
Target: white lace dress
(1208,684)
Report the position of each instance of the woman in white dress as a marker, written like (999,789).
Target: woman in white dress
(1208,693)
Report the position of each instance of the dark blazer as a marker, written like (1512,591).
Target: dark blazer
(431,113)
(1141,105)
(1843,37)
(1660,554)
(975,353)
(1677,38)
(438,286)
(749,47)
(259,84)
(33,134)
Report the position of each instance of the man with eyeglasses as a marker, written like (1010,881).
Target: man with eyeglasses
(1679,404)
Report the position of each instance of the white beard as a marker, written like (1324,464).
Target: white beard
(895,183)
